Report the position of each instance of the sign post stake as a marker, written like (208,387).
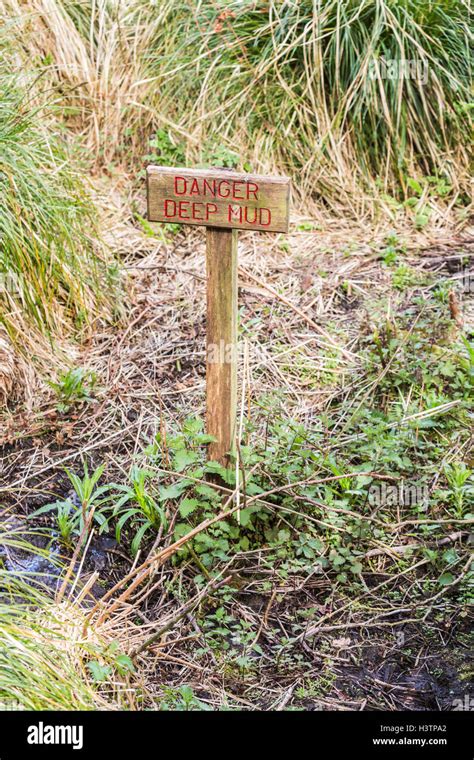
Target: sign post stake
(221,341)
(223,201)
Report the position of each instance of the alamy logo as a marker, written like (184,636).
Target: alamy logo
(10,282)
(401,495)
(41,734)
(399,68)
(467,703)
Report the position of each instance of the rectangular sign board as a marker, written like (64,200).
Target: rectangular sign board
(218,198)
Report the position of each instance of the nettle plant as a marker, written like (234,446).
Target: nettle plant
(181,699)
(285,523)
(231,638)
(304,526)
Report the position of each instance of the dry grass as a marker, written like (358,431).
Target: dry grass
(104,69)
(92,57)
(154,364)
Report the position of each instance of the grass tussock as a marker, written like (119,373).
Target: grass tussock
(49,658)
(357,101)
(344,96)
(53,277)
(92,56)
(46,252)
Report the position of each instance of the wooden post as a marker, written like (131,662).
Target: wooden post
(223,201)
(221,342)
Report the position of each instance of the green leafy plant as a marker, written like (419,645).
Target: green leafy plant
(110,662)
(220,155)
(73,387)
(461,486)
(165,150)
(138,506)
(404,276)
(72,516)
(182,699)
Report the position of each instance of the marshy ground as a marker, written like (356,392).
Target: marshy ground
(356,373)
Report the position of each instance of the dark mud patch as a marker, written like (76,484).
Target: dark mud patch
(39,559)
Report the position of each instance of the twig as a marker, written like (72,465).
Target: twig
(182,612)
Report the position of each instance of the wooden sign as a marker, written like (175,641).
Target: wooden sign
(223,201)
(218,198)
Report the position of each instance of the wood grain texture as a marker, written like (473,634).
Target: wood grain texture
(221,360)
(218,198)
